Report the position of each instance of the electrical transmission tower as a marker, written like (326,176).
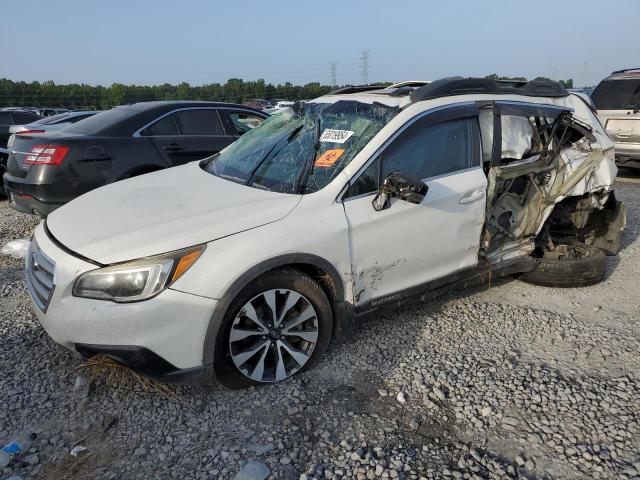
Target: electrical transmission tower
(333,72)
(364,66)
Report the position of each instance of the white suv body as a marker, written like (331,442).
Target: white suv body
(241,240)
(617,99)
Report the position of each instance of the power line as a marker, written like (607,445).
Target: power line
(333,69)
(364,66)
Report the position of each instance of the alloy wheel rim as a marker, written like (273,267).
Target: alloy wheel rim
(273,335)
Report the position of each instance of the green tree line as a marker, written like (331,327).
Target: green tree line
(235,90)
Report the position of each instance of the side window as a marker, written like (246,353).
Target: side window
(367,182)
(5,118)
(427,151)
(617,94)
(199,122)
(24,118)
(77,118)
(244,122)
(164,126)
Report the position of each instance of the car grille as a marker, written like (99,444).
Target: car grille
(39,272)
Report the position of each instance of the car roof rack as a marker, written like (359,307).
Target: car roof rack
(356,89)
(410,83)
(627,70)
(450,86)
(624,74)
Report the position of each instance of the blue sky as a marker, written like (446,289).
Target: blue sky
(152,42)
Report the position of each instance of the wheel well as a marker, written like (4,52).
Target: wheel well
(576,219)
(316,267)
(330,285)
(324,279)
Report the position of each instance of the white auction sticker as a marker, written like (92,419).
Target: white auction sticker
(335,136)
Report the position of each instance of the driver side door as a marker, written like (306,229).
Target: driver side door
(408,245)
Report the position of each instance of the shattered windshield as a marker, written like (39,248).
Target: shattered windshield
(300,150)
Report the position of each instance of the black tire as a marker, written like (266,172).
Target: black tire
(287,278)
(573,265)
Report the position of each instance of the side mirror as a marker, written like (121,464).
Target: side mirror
(401,185)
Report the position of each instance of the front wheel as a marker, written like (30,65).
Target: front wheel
(277,326)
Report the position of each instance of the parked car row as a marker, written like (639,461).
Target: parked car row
(269,106)
(8,118)
(241,268)
(49,167)
(40,111)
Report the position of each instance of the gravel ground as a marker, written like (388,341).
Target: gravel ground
(513,382)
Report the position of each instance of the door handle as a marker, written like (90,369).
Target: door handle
(472,197)
(173,147)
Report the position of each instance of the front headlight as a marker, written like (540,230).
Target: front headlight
(137,280)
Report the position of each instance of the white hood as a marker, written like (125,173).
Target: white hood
(163,211)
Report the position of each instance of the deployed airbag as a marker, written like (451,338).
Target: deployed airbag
(517,133)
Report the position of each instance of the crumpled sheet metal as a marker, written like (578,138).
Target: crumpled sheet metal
(582,168)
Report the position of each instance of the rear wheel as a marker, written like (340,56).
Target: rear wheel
(570,265)
(277,326)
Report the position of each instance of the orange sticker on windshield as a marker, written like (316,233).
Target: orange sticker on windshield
(329,157)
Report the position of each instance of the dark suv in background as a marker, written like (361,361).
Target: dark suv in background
(8,118)
(47,170)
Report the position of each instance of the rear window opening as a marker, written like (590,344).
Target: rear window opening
(101,121)
(617,94)
(539,159)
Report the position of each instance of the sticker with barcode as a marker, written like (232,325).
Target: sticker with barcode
(335,136)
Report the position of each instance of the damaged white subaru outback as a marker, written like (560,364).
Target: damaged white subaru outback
(242,267)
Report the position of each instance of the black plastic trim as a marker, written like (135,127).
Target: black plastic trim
(503,107)
(58,244)
(140,359)
(463,278)
(471,86)
(148,363)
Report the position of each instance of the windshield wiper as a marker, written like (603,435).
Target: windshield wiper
(208,161)
(294,133)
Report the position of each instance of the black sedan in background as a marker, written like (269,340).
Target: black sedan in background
(47,170)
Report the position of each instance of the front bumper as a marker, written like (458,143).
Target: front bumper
(149,363)
(170,327)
